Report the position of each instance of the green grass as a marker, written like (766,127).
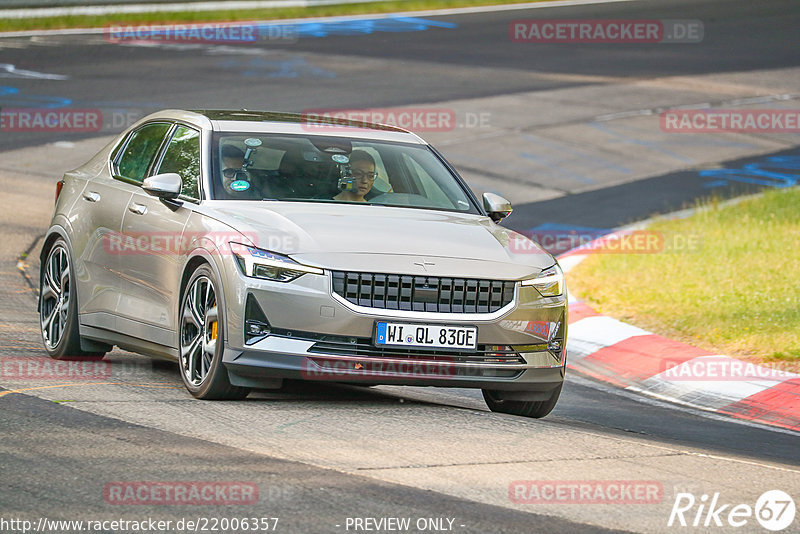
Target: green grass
(738,293)
(83,21)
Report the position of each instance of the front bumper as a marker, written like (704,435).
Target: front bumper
(317,336)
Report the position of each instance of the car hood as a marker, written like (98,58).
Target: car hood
(384,239)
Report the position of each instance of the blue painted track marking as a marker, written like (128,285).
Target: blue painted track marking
(354,26)
(770,173)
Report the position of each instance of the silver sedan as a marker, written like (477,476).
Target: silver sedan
(258,247)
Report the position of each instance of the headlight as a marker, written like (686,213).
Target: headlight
(268,265)
(550,282)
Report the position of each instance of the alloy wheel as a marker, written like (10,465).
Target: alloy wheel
(199,330)
(55,296)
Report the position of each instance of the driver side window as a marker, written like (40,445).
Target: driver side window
(183,157)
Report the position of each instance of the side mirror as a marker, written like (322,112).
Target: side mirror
(497,207)
(167,185)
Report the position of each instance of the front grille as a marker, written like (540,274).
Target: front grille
(423,293)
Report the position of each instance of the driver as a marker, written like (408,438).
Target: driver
(362,166)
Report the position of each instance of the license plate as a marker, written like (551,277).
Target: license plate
(426,336)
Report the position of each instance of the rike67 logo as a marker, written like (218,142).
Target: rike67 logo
(774,510)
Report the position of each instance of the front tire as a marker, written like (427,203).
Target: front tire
(535,409)
(58,307)
(201,338)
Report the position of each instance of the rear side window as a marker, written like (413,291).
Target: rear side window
(140,150)
(183,157)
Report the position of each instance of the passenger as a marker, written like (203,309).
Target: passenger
(362,166)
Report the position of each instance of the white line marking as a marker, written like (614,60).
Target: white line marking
(7,70)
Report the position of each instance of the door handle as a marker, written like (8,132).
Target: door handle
(91,196)
(138,209)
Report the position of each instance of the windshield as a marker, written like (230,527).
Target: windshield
(331,169)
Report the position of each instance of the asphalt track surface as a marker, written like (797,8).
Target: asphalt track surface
(55,459)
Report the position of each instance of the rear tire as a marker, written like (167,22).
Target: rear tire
(535,409)
(58,307)
(201,339)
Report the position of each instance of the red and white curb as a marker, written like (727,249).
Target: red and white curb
(637,360)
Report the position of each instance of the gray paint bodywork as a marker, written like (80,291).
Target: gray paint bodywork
(131,299)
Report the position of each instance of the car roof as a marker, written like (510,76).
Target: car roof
(247,121)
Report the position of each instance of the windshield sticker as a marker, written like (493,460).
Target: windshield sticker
(240,185)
